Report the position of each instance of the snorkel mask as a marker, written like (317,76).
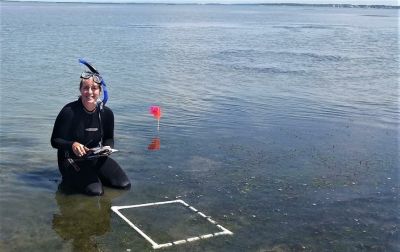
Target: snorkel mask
(96,78)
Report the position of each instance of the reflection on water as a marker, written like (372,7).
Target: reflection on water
(81,219)
(155,144)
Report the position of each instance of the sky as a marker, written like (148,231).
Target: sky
(359,2)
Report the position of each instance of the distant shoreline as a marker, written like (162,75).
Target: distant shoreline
(375,6)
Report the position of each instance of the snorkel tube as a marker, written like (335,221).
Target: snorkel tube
(103,84)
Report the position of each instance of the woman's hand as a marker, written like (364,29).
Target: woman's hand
(79,149)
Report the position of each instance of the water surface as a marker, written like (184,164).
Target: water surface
(279,122)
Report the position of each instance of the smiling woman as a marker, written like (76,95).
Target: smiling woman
(90,91)
(80,127)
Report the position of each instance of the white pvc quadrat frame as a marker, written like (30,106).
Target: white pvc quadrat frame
(155,245)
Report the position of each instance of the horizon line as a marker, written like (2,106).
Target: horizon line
(207,3)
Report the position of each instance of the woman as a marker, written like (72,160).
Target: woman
(80,126)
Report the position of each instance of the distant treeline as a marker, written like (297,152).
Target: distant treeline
(336,5)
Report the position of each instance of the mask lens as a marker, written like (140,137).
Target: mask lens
(97,78)
(86,75)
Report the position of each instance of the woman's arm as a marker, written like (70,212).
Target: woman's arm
(108,127)
(60,138)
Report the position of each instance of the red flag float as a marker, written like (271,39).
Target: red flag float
(156,112)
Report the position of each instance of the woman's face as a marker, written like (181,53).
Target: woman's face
(90,92)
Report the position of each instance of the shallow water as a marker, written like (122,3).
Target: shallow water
(281,123)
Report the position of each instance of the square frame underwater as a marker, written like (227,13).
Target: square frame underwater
(156,245)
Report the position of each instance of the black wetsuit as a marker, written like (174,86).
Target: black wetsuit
(75,124)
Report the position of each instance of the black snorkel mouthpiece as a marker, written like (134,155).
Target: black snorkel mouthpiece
(103,84)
